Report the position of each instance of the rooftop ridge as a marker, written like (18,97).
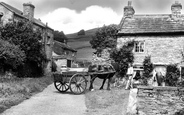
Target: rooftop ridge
(20,13)
(11,8)
(65,45)
(152,14)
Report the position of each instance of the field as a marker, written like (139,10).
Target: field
(81,44)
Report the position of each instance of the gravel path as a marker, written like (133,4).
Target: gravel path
(50,102)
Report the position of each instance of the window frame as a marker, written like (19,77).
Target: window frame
(138,48)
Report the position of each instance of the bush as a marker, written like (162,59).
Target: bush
(30,69)
(172,75)
(23,35)
(11,57)
(180,112)
(148,68)
(124,56)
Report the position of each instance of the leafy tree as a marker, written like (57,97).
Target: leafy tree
(81,32)
(60,36)
(123,56)
(23,35)
(105,37)
(148,68)
(11,57)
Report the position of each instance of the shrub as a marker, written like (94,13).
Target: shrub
(172,75)
(180,112)
(148,68)
(124,56)
(11,57)
(23,35)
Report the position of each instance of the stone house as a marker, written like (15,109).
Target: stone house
(10,14)
(160,36)
(63,54)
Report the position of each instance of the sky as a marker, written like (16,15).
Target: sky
(71,16)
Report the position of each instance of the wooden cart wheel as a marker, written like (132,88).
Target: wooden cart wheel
(78,83)
(61,86)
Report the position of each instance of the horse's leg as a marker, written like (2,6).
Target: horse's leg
(103,84)
(108,84)
(91,82)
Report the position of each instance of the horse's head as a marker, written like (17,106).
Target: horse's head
(116,66)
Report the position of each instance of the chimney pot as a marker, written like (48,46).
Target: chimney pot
(129,10)
(28,10)
(129,3)
(176,9)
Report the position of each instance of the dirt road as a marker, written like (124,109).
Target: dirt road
(50,102)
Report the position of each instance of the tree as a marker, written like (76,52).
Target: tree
(123,56)
(105,37)
(148,68)
(81,32)
(60,36)
(11,57)
(23,35)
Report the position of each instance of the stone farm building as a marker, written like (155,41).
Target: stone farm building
(159,35)
(11,14)
(63,54)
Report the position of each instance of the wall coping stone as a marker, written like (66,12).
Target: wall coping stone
(166,88)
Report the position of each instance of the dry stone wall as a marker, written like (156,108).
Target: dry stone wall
(159,100)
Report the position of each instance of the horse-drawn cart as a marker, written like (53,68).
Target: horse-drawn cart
(73,80)
(76,81)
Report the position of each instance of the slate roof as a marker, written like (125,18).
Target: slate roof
(20,13)
(58,48)
(16,11)
(151,24)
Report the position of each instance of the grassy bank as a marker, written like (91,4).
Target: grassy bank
(104,102)
(15,90)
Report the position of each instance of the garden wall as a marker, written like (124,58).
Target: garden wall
(159,100)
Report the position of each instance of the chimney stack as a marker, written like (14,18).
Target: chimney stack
(129,10)
(176,9)
(28,10)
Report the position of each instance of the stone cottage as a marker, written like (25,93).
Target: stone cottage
(63,54)
(10,14)
(160,36)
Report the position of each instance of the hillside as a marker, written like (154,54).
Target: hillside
(87,37)
(81,44)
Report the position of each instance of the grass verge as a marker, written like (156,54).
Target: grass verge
(14,90)
(104,102)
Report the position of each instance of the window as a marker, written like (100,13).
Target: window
(48,40)
(182,72)
(139,46)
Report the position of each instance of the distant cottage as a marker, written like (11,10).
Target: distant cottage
(160,36)
(63,55)
(11,14)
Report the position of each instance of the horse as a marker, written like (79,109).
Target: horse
(160,78)
(103,72)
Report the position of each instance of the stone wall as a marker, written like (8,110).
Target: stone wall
(162,49)
(159,100)
(7,15)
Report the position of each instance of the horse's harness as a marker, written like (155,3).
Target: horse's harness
(100,69)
